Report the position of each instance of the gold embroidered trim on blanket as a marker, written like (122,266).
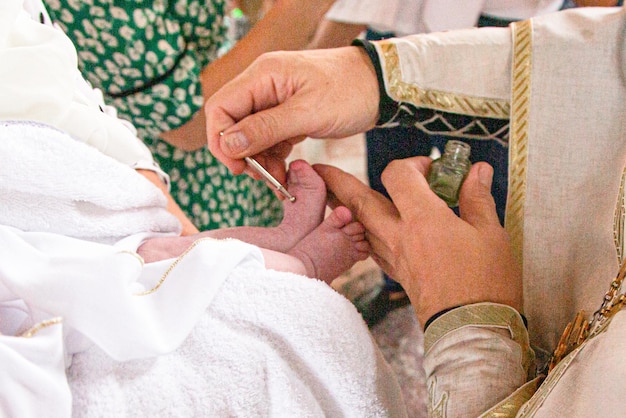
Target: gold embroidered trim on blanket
(41,325)
(170,268)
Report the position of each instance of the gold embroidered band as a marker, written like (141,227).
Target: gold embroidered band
(479,314)
(518,142)
(434,99)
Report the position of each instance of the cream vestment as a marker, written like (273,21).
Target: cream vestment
(560,79)
(565,205)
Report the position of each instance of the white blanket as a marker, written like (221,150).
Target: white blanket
(211,334)
(52,183)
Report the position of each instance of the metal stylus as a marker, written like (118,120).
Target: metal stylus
(263,172)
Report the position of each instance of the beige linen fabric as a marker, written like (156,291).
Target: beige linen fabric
(490,344)
(427,71)
(568,211)
(560,78)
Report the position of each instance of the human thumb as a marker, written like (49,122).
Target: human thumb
(476,204)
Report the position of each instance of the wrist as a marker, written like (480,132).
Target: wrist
(365,83)
(387,107)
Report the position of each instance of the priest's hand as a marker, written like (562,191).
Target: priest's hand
(441,260)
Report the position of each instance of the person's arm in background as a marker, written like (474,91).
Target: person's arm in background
(188,228)
(288,25)
(596,3)
(334,34)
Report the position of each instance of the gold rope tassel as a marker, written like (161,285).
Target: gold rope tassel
(579,330)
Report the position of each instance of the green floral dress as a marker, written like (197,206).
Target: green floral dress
(146,56)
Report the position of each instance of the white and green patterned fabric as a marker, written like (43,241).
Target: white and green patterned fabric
(146,56)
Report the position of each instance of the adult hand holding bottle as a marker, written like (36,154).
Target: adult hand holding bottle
(441,260)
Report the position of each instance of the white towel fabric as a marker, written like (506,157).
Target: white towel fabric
(270,345)
(212,333)
(50,182)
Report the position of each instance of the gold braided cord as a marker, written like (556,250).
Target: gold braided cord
(518,143)
(618,223)
(434,99)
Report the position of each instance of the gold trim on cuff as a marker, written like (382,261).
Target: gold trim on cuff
(481,315)
(401,91)
(497,316)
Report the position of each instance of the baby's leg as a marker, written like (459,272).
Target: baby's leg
(300,217)
(333,247)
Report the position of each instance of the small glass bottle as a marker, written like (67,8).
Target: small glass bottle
(447,173)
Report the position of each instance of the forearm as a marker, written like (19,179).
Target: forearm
(332,34)
(596,3)
(475,356)
(188,228)
(288,25)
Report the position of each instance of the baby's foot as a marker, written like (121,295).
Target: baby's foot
(333,247)
(304,214)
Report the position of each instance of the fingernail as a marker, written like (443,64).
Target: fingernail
(485,175)
(292,174)
(236,142)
